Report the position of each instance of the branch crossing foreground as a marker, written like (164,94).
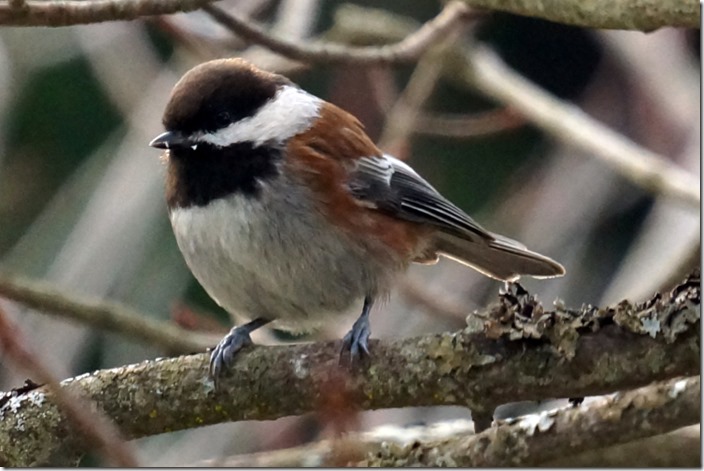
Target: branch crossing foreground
(515,350)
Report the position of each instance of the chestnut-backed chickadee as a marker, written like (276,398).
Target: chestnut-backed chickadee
(286,211)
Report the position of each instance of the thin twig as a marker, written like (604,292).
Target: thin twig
(406,51)
(469,126)
(401,119)
(92,426)
(572,126)
(109,316)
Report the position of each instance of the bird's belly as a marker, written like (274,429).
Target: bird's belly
(272,260)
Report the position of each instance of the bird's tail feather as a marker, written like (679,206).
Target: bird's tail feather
(501,258)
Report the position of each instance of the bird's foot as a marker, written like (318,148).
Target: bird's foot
(356,342)
(223,355)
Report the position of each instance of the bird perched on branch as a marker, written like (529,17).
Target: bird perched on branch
(286,211)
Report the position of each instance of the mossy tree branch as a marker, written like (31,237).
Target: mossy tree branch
(512,351)
(537,438)
(643,15)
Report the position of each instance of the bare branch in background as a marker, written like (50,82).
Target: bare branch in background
(571,125)
(642,15)
(401,118)
(417,294)
(109,316)
(521,352)
(91,427)
(407,50)
(468,126)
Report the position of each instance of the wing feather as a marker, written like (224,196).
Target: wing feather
(393,186)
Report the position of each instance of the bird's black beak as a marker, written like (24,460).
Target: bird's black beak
(170,140)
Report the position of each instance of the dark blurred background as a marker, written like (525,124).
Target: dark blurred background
(81,201)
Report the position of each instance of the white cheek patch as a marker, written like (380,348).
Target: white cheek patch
(290,112)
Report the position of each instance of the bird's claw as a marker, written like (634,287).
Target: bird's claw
(356,342)
(223,355)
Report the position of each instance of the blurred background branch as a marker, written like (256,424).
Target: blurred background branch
(110,316)
(91,427)
(569,124)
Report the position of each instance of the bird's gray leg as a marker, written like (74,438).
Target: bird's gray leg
(223,355)
(356,340)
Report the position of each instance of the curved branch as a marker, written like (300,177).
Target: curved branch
(520,352)
(407,50)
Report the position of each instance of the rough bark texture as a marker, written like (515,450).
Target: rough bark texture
(513,351)
(680,448)
(644,15)
(534,439)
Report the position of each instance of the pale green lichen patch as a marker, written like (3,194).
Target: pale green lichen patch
(518,315)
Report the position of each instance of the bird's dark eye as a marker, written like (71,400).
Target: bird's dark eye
(223,119)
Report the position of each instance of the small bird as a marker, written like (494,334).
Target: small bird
(285,210)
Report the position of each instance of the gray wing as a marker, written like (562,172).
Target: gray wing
(388,184)
(394,187)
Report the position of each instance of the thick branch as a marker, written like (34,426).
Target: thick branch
(534,439)
(109,316)
(643,15)
(520,352)
(78,12)
(394,446)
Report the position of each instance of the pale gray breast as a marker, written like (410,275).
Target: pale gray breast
(272,256)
